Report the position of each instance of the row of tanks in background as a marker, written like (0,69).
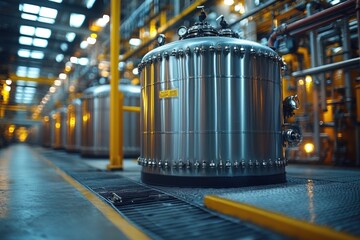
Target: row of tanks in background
(83,125)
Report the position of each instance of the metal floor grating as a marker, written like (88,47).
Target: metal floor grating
(324,196)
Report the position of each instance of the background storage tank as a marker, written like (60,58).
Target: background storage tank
(73,132)
(58,126)
(46,133)
(211,111)
(95,120)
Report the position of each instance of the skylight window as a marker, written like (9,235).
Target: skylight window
(27,30)
(59,57)
(76,20)
(38,42)
(29,8)
(33,72)
(37,54)
(24,53)
(57,1)
(90,3)
(25,40)
(48,12)
(37,13)
(28,16)
(43,32)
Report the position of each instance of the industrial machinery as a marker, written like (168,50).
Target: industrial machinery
(212,111)
(73,132)
(58,128)
(95,120)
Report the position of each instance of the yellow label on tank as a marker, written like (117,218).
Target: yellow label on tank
(168,93)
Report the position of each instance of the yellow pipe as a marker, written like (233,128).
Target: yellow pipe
(277,222)
(116,146)
(131,109)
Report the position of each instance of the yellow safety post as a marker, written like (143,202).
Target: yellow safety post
(116,150)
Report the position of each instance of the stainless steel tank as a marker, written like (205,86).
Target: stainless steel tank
(211,111)
(95,120)
(58,126)
(73,131)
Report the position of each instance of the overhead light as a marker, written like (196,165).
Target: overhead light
(57,1)
(37,54)
(7,88)
(74,60)
(59,57)
(24,53)
(62,76)
(25,40)
(27,30)
(70,36)
(135,41)
(90,3)
(8,81)
(52,89)
(48,12)
(38,42)
(43,32)
(29,8)
(64,47)
(135,71)
(84,44)
(76,20)
(57,82)
(229,2)
(29,16)
(83,61)
(91,40)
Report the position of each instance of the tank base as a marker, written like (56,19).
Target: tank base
(218,182)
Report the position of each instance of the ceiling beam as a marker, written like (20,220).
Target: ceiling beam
(39,80)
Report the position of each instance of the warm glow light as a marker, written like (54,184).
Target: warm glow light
(11,128)
(229,2)
(57,125)
(308,79)
(309,147)
(7,88)
(57,82)
(72,122)
(301,82)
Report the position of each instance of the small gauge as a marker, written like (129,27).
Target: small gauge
(161,39)
(182,31)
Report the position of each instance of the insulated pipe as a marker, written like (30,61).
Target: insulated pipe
(316,117)
(313,21)
(320,69)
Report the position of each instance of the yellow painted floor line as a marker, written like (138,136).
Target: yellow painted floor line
(276,222)
(111,214)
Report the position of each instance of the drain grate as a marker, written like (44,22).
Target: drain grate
(164,216)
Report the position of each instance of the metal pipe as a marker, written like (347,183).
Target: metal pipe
(116,118)
(313,21)
(320,69)
(319,43)
(316,117)
(358,22)
(253,12)
(346,51)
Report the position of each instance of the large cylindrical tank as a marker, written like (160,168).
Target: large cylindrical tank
(95,120)
(73,131)
(58,126)
(46,133)
(211,111)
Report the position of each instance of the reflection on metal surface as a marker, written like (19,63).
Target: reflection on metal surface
(310,193)
(4,186)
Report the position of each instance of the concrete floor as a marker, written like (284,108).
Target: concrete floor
(37,203)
